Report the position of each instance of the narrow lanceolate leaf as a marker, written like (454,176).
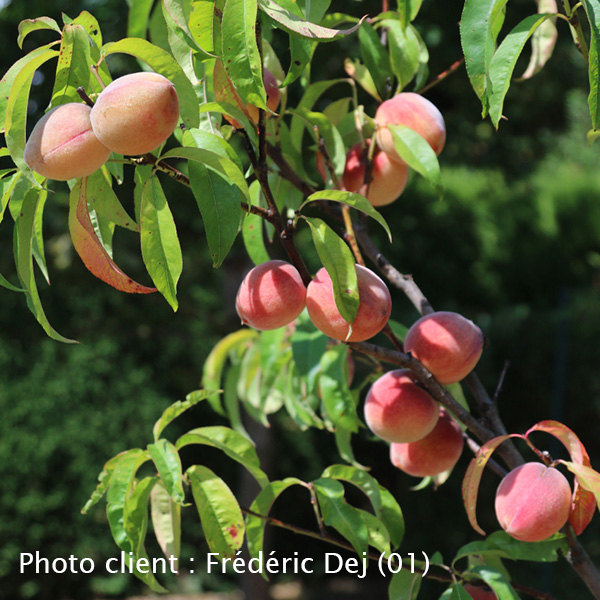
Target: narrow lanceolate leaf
(405,51)
(587,478)
(354,200)
(219,511)
(139,15)
(359,478)
(25,232)
(160,245)
(333,384)
(103,481)
(178,408)
(291,23)
(219,201)
(136,526)
(376,58)
(478,41)
(592,9)
(73,68)
(119,488)
(89,248)
(166,522)
(29,25)
(168,464)
(231,443)
(504,60)
(9,77)
(240,51)
(405,585)
(255,525)
(378,534)
(308,345)
(200,23)
(543,41)
(416,152)
(337,513)
(253,230)
(497,581)
(212,374)
(17,99)
(408,10)
(339,262)
(162,62)
(470,485)
(102,200)
(391,515)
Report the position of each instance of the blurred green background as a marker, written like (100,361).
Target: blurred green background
(514,244)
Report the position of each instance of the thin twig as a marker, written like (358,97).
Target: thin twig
(439,78)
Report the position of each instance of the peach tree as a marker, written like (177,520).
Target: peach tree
(211,108)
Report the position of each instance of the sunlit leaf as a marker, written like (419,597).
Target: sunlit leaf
(29,25)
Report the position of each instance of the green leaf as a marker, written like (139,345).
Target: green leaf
(405,585)
(90,249)
(253,230)
(359,478)
(356,201)
(416,152)
(162,62)
(24,232)
(9,77)
(376,58)
(91,27)
(240,55)
(296,401)
(38,237)
(180,40)
(378,534)
(343,439)
(337,513)
(139,15)
(212,373)
(496,581)
(478,41)
(178,408)
(543,41)
(167,461)
(293,24)
(73,68)
(337,258)
(160,245)
(255,525)
(405,51)
(16,106)
(201,24)
(119,488)
(308,345)
(550,550)
(29,25)
(592,9)
(361,75)
(135,520)
(103,481)
(231,400)
(457,592)
(102,200)
(215,161)
(408,10)
(391,515)
(504,60)
(166,521)
(333,384)
(233,444)
(219,511)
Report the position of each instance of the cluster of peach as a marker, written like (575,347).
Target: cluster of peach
(389,174)
(133,115)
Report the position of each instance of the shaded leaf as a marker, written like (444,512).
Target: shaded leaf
(404,585)
(167,462)
(543,41)
(166,521)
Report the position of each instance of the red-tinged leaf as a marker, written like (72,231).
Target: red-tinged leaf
(470,486)
(569,439)
(90,249)
(582,508)
(587,478)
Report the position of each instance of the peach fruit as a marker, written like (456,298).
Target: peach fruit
(272,295)
(62,144)
(225,92)
(388,178)
(533,502)
(373,312)
(397,409)
(136,113)
(437,452)
(448,345)
(414,111)
(478,592)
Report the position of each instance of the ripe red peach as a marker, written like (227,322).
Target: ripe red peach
(62,144)
(437,452)
(225,92)
(478,592)
(272,295)
(533,502)
(136,113)
(397,409)
(448,345)
(373,312)
(388,178)
(414,111)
